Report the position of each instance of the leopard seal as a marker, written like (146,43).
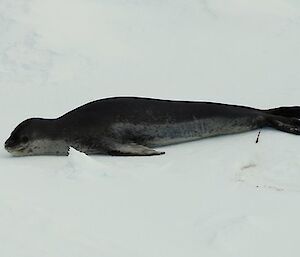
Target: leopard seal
(133,126)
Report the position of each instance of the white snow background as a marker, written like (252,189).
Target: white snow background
(224,196)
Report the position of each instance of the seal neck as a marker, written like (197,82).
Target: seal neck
(47,128)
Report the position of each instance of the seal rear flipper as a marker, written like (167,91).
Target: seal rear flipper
(290,111)
(132,149)
(289,125)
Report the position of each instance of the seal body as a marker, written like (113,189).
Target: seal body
(133,126)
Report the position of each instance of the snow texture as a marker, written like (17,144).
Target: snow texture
(224,196)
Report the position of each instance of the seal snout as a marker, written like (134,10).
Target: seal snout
(9,143)
(13,146)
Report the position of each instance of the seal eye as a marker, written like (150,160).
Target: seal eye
(24,139)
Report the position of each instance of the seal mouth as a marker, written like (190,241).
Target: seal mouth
(13,148)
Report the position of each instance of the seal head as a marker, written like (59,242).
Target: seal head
(35,136)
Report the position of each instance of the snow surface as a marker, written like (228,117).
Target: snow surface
(224,196)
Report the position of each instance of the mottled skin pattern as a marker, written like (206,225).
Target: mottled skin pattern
(132,125)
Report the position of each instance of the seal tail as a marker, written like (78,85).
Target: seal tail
(286,119)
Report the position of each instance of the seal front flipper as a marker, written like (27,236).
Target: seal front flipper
(132,149)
